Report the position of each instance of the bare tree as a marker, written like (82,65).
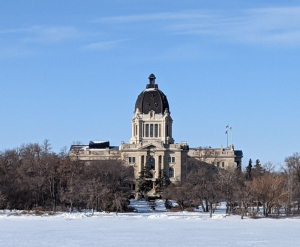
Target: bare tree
(34,177)
(292,180)
(269,190)
(177,193)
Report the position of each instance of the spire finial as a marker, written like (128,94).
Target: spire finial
(152,81)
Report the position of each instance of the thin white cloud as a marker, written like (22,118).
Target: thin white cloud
(153,17)
(51,34)
(104,45)
(277,26)
(269,26)
(21,42)
(43,33)
(7,31)
(12,52)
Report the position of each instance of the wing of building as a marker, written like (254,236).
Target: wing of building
(152,144)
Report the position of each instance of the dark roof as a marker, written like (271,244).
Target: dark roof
(238,153)
(152,98)
(99,144)
(83,147)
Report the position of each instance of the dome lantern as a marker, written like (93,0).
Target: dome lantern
(152,99)
(152,82)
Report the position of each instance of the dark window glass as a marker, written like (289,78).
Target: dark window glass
(169,159)
(156,130)
(173,159)
(151,130)
(171,172)
(152,163)
(143,160)
(129,159)
(223,164)
(147,130)
(159,159)
(133,159)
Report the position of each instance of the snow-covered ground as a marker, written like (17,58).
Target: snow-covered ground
(147,228)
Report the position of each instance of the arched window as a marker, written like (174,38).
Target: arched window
(171,172)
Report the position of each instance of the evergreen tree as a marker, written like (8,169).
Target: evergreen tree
(257,170)
(144,181)
(249,170)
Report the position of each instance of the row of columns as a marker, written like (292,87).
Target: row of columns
(139,130)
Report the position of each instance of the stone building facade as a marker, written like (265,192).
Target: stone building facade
(152,144)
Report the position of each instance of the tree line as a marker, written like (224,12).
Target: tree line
(34,177)
(256,190)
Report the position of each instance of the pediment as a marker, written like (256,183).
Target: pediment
(152,147)
(148,147)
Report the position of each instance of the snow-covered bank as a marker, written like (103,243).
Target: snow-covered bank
(146,229)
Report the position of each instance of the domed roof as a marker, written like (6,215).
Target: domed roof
(152,98)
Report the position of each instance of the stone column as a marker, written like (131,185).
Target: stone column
(170,129)
(133,129)
(140,165)
(179,167)
(156,166)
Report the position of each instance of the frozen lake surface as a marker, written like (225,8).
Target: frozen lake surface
(146,229)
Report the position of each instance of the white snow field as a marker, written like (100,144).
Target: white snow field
(147,228)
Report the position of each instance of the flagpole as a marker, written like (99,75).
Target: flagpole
(227,127)
(231,136)
(227,137)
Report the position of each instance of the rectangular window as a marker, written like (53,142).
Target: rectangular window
(151,130)
(156,130)
(169,159)
(147,130)
(159,129)
(159,159)
(223,164)
(143,160)
(167,130)
(131,159)
(173,159)
(218,164)
(171,172)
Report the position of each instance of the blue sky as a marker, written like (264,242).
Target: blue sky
(72,70)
